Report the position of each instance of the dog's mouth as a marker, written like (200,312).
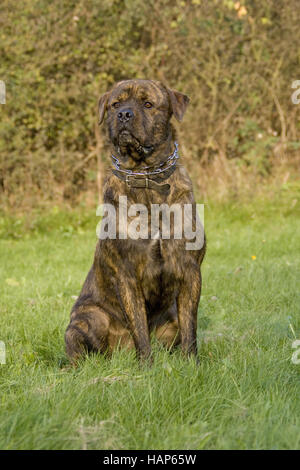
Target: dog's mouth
(129,145)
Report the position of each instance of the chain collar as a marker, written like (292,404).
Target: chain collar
(172,159)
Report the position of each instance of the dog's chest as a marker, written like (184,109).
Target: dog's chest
(160,272)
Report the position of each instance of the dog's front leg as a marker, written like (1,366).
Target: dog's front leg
(133,306)
(187,305)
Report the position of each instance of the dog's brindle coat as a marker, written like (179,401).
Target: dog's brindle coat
(138,286)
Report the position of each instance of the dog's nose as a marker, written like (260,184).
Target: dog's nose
(125,114)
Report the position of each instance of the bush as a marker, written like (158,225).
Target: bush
(236,60)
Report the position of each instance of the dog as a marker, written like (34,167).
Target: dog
(148,285)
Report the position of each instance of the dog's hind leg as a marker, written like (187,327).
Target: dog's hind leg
(87,331)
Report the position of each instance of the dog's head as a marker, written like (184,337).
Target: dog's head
(138,118)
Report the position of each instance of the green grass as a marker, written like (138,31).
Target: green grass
(244,394)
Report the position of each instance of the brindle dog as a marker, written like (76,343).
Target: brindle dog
(139,286)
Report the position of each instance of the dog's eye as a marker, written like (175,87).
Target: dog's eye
(148,104)
(116,104)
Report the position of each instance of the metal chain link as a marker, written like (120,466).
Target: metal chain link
(174,157)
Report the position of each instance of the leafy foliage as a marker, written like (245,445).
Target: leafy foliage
(236,60)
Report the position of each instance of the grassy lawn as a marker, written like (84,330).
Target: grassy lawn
(244,394)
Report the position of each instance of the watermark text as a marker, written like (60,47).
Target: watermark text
(160,221)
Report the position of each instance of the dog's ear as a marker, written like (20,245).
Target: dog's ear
(102,105)
(179,103)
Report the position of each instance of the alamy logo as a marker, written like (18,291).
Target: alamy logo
(137,222)
(2,93)
(296,354)
(294,97)
(2,353)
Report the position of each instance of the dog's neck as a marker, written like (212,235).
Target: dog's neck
(145,159)
(149,177)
